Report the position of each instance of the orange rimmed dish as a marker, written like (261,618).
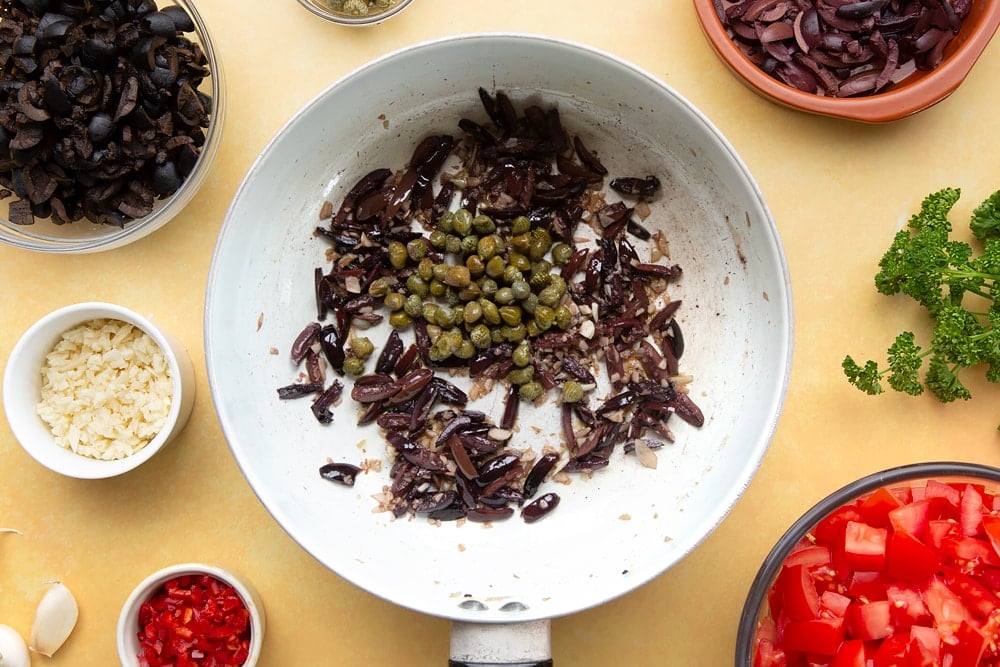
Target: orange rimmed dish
(918,91)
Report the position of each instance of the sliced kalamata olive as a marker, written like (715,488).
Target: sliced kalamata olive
(540,507)
(342,473)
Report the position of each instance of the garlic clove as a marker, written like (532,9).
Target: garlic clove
(13,650)
(55,619)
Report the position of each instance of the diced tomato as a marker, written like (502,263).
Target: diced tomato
(875,508)
(864,546)
(967,552)
(869,621)
(945,607)
(850,654)
(820,635)
(799,598)
(991,526)
(891,651)
(834,603)
(971,516)
(965,648)
(977,598)
(810,555)
(768,655)
(867,584)
(907,607)
(830,529)
(929,642)
(936,489)
(909,559)
(912,517)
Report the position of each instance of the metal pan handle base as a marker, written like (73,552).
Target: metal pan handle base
(501,644)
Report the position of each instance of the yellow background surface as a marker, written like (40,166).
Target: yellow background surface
(838,191)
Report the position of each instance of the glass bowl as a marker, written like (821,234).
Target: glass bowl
(899,556)
(190,575)
(84,236)
(325,9)
(918,91)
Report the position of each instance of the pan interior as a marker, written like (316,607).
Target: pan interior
(613,530)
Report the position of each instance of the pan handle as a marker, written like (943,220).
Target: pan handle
(525,644)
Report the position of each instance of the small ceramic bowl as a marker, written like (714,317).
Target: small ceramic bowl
(22,386)
(128,619)
(325,9)
(914,528)
(918,91)
(84,236)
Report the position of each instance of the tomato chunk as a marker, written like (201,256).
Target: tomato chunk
(864,546)
(820,635)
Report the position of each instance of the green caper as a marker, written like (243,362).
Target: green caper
(466,350)
(495,267)
(539,280)
(488,287)
(539,244)
(430,311)
(453,244)
(498,336)
(417,249)
(510,315)
(572,392)
(542,266)
(530,303)
(469,244)
(520,225)
(512,273)
(522,355)
(394,301)
(354,366)
(446,222)
(519,261)
(379,287)
(491,314)
(362,347)
(530,391)
(521,375)
(472,312)
(451,296)
(521,243)
(462,222)
(417,285)
(397,254)
(545,317)
(533,330)
(483,224)
(515,334)
(444,317)
(425,268)
(562,253)
(438,238)
(563,318)
(459,310)
(504,296)
(457,276)
(520,289)
(470,292)
(481,337)
(414,306)
(400,320)
(436,288)
(549,296)
(475,265)
(487,248)
(439,270)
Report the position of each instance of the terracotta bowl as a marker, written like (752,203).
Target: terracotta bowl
(917,92)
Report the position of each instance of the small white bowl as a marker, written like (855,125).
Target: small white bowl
(128,620)
(22,382)
(324,10)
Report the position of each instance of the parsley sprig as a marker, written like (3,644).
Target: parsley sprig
(958,288)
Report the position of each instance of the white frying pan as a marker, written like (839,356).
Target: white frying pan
(613,531)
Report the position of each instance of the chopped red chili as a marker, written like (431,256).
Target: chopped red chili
(194,621)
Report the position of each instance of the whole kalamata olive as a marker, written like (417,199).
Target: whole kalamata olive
(165,178)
